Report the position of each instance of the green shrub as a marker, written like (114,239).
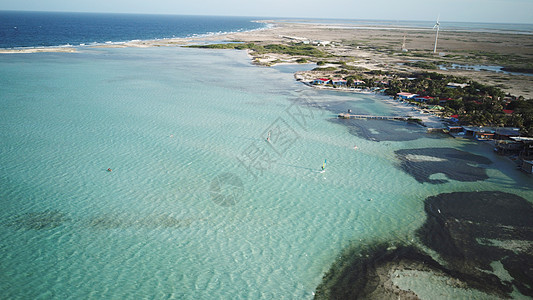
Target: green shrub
(422,65)
(325,69)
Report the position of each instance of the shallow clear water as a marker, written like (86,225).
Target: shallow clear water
(198,205)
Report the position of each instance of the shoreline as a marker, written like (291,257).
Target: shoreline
(365,55)
(372,48)
(131,43)
(428,119)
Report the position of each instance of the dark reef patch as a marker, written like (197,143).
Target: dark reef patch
(38,220)
(455,164)
(50,219)
(364,272)
(383,130)
(470,230)
(122,221)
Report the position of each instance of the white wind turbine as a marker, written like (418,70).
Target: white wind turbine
(436,26)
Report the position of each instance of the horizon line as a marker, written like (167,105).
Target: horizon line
(261,17)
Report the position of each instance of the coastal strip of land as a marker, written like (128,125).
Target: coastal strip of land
(378,48)
(39,50)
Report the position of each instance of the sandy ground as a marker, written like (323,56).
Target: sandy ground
(380,49)
(37,50)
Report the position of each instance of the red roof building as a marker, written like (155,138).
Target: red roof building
(454,118)
(320,81)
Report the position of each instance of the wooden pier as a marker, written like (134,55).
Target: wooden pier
(351,116)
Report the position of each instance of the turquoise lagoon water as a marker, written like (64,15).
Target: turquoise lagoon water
(198,205)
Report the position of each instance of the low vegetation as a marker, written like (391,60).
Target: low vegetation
(475,104)
(325,69)
(523,69)
(291,49)
(422,65)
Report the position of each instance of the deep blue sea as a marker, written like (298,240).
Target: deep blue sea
(44,29)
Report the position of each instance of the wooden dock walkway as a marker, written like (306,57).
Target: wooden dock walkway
(406,119)
(351,116)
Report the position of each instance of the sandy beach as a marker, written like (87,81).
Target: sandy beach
(39,50)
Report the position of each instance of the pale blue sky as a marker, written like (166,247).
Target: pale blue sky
(501,11)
